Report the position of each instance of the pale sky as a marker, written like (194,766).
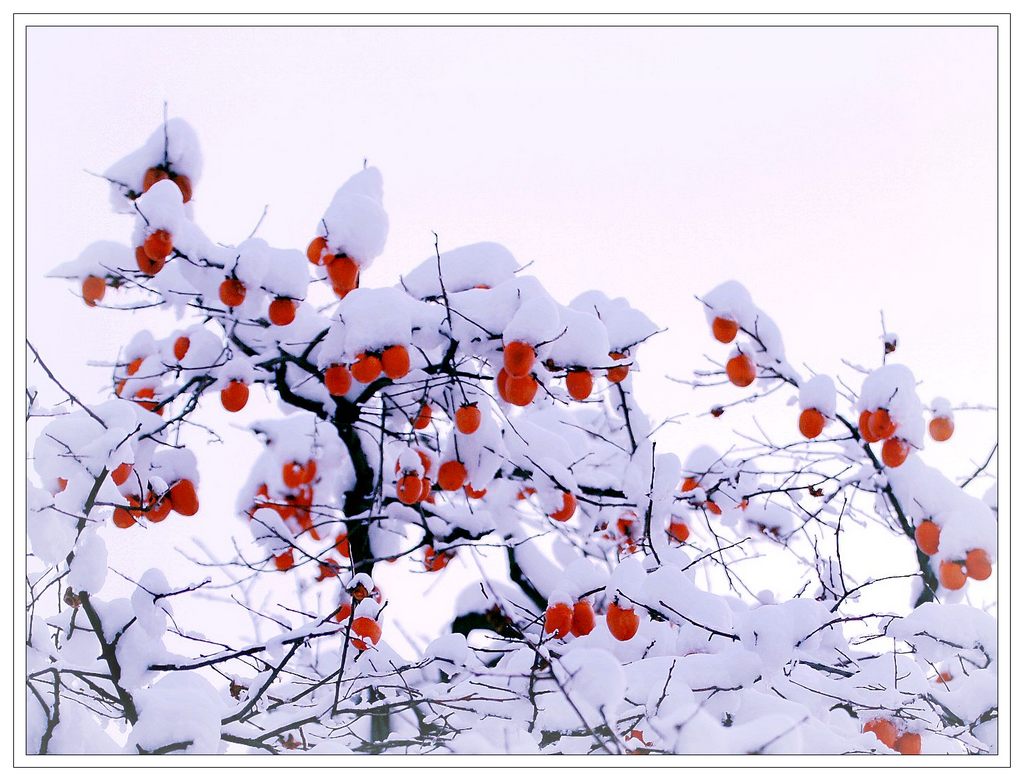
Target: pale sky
(834,172)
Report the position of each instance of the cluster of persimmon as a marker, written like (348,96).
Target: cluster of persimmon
(414,485)
(517,383)
(690,484)
(887,732)
(562,619)
(144,397)
(976,565)
(392,362)
(152,254)
(296,504)
(365,631)
(342,270)
(628,531)
(953,573)
(877,425)
(180,497)
(625,533)
(159,173)
(234,395)
(740,369)
(282,309)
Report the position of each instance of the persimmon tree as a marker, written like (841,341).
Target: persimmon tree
(618,598)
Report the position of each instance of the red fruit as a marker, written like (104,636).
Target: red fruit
(146,264)
(366,632)
(435,561)
(690,484)
(865,428)
(343,272)
(94,288)
(183,498)
(395,361)
(367,368)
(451,476)
(341,544)
(582,618)
(158,245)
(579,383)
(234,396)
(895,452)
(617,373)
(812,423)
(282,311)
(426,487)
(927,536)
(145,393)
(979,566)
(151,177)
(501,385)
(344,611)
(328,569)
(309,471)
(467,418)
(159,510)
(678,531)
(518,359)
(422,418)
(315,250)
(625,524)
(338,379)
(881,425)
(724,329)
(944,677)
(133,366)
(185,185)
(285,561)
(409,488)
(558,619)
(883,729)
(181,345)
(952,575)
(940,427)
(123,519)
(424,460)
(567,510)
(122,473)
(232,292)
(521,390)
(740,370)
(292,473)
(622,623)
(62,483)
(908,743)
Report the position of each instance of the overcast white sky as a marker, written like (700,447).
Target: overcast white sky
(835,172)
